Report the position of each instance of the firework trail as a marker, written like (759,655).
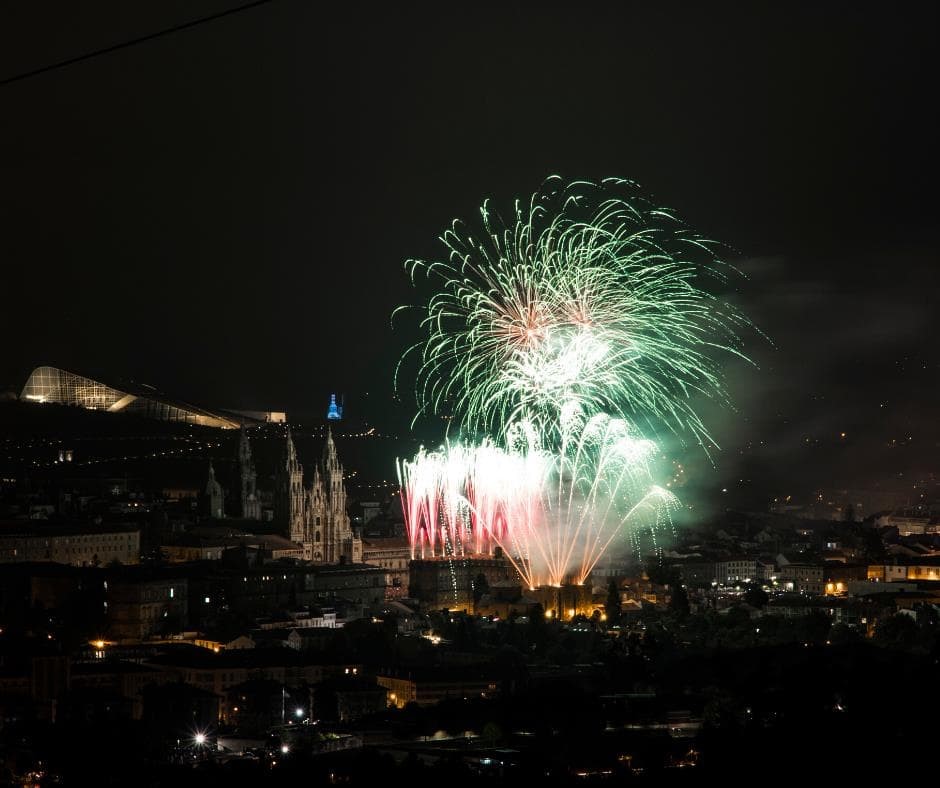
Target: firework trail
(552,514)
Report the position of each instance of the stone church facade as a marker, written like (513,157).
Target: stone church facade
(315,516)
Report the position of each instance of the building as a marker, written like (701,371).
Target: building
(851,612)
(217,589)
(697,574)
(804,578)
(289,501)
(921,569)
(144,605)
(214,495)
(566,601)
(327,519)
(265,416)
(258,704)
(217,673)
(736,571)
(348,698)
(393,554)
(334,412)
(117,678)
(78,545)
(909,523)
(184,550)
(50,384)
(316,517)
(428,686)
(839,576)
(248,477)
(449,582)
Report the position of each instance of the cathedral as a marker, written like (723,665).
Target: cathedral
(315,516)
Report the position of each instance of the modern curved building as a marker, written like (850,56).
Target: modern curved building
(50,384)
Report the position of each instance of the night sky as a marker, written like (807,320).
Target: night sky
(224,211)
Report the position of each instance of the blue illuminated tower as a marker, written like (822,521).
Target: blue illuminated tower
(334,412)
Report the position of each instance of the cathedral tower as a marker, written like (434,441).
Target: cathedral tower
(289,508)
(250,505)
(327,521)
(214,495)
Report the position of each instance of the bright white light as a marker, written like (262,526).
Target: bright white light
(299,712)
(285,749)
(200,738)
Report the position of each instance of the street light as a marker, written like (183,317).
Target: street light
(200,739)
(298,712)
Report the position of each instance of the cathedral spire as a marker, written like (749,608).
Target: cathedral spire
(290,449)
(290,504)
(214,495)
(244,448)
(248,479)
(330,460)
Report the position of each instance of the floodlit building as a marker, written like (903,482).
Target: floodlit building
(316,517)
(394,555)
(50,384)
(442,582)
(78,545)
(427,687)
(922,569)
(805,578)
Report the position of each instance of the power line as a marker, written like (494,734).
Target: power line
(132,42)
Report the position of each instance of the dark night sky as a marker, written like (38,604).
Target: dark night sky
(224,211)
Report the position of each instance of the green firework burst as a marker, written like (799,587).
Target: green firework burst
(590,295)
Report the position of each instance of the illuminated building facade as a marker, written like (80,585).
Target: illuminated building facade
(923,569)
(805,578)
(394,555)
(316,517)
(25,540)
(447,582)
(50,384)
(429,687)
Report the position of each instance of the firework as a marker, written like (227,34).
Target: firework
(591,295)
(561,334)
(552,514)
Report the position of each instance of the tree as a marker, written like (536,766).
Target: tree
(536,630)
(755,596)
(873,548)
(842,635)
(491,734)
(679,601)
(612,606)
(480,589)
(662,574)
(897,631)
